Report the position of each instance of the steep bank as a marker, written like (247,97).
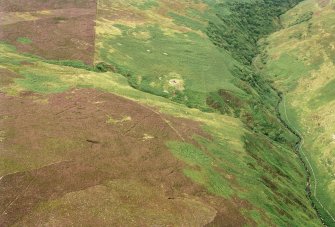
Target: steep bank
(300,62)
(245,53)
(324,215)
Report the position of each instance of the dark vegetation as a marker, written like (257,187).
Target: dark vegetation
(99,67)
(239,31)
(254,113)
(272,172)
(302,18)
(257,109)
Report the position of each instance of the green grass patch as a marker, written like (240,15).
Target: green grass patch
(187,21)
(148,4)
(42,83)
(201,66)
(324,95)
(24,40)
(201,168)
(287,70)
(262,171)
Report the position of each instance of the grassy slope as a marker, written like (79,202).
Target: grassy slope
(151,44)
(301,63)
(156,48)
(227,150)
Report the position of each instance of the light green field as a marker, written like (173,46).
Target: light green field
(155,48)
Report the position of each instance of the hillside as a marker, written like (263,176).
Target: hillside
(300,62)
(165,113)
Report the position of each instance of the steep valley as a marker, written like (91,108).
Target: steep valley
(167,113)
(301,64)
